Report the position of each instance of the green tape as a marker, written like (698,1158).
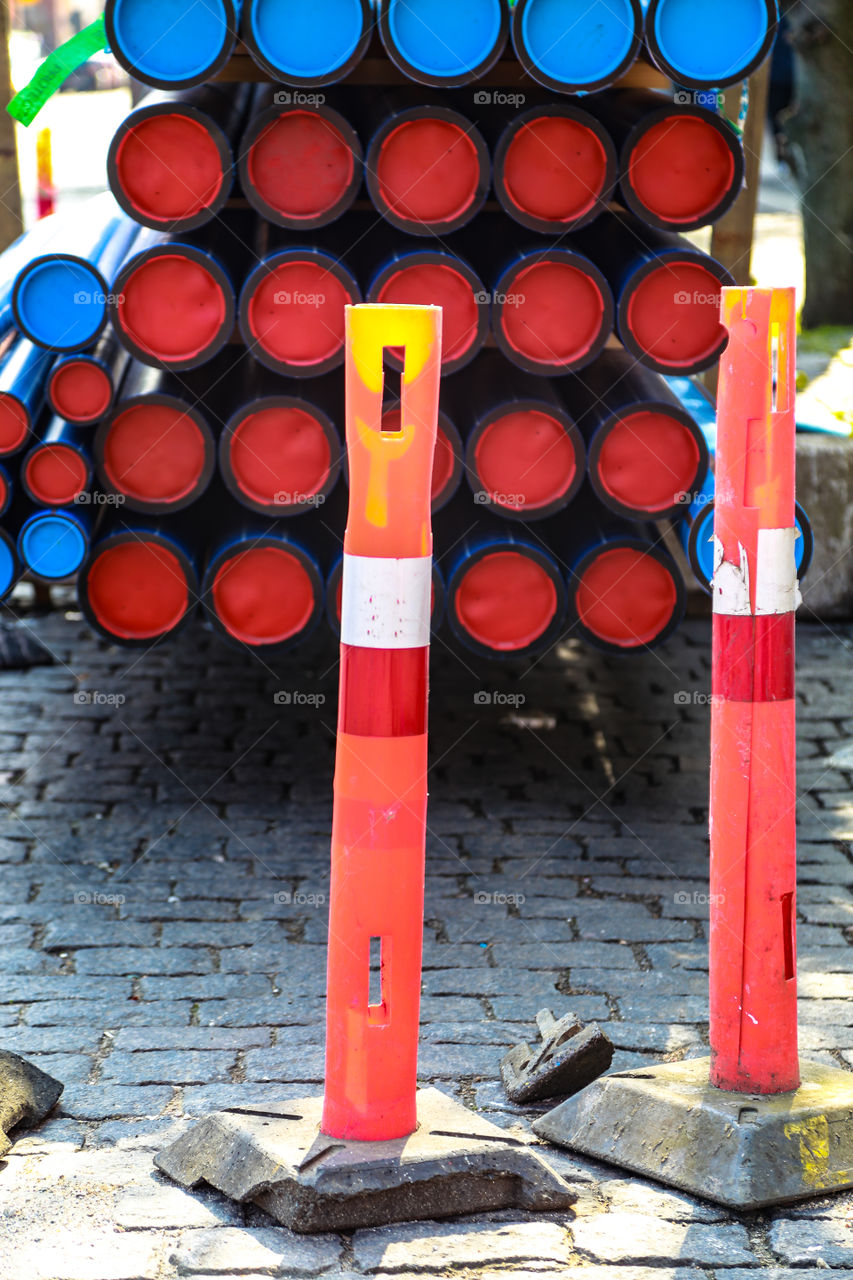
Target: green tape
(56,69)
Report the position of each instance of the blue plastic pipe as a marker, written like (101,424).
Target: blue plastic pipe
(60,297)
(53,545)
(696,528)
(577,46)
(10,569)
(705,44)
(172,44)
(442,42)
(307,42)
(22,384)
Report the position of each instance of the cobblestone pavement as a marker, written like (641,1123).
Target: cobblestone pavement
(164,851)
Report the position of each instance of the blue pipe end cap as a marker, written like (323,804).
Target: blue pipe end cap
(53,546)
(578,41)
(444,38)
(307,41)
(61,303)
(710,40)
(170,40)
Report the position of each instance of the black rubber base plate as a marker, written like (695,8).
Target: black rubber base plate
(740,1150)
(275,1156)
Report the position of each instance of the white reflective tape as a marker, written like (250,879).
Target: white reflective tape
(730,584)
(776,586)
(386,603)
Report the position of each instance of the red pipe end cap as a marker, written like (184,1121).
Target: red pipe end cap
(264,596)
(14,424)
(56,475)
(172,308)
(428,171)
(681,169)
(525,460)
(81,391)
(506,601)
(138,590)
(297,313)
(280,457)
(552,314)
(154,453)
(169,168)
(674,314)
(555,169)
(301,165)
(647,461)
(626,598)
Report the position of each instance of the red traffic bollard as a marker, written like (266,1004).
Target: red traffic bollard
(753,719)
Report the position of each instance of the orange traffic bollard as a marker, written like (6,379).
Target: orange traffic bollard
(750,1125)
(374,1149)
(46,194)
(753,718)
(378,835)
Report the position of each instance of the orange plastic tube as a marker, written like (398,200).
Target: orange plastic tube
(379,825)
(753,987)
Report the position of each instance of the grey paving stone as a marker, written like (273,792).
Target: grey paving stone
(434,1248)
(69,1068)
(80,1254)
(51,1013)
(612,921)
(34,987)
(229,934)
(143,960)
(463,1033)
(560,955)
(19,960)
(206,987)
(641,1008)
(680,982)
(109,1101)
(275,1011)
(199,1100)
(27,1040)
(15,935)
(637,1196)
(288,1062)
(488,982)
(267,1251)
(819,1242)
(159,1206)
(633,1237)
(191,1037)
(65,934)
(168,1066)
(525,1007)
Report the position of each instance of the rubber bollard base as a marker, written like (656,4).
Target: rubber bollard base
(567,1058)
(276,1157)
(745,1151)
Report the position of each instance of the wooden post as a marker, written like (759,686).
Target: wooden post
(11,221)
(731,242)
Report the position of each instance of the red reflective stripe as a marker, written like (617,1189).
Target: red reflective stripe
(384,692)
(755,658)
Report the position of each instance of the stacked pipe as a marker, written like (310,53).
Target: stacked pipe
(172,388)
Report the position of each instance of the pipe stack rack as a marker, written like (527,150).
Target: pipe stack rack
(172,376)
